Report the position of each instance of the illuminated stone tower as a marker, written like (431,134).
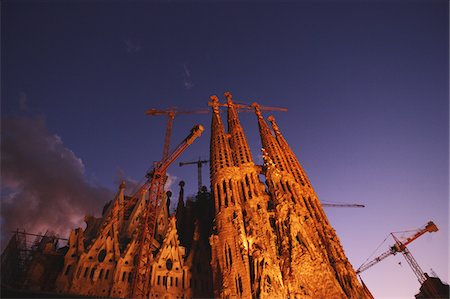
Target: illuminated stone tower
(305,272)
(313,261)
(229,262)
(331,246)
(265,273)
(275,242)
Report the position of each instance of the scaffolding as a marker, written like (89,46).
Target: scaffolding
(19,253)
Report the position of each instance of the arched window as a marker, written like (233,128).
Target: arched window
(101,255)
(224,184)
(169,264)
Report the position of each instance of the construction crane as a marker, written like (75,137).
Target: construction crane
(342,205)
(199,164)
(171,113)
(400,246)
(155,184)
(243,107)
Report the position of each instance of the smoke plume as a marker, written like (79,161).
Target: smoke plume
(43,185)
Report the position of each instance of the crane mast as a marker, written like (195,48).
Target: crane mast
(171,113)
(199,164)
(155,185)
(401,247)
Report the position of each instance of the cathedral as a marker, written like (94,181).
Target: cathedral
(260,232)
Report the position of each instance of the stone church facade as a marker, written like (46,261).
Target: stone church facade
(101,260)
(244,239)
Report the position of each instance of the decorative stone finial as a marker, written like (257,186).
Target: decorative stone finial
(274,124)
(228,95)
(214,103)
(122,185)
(257,109)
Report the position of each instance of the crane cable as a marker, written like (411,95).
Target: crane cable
(372,254)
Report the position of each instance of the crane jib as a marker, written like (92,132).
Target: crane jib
(155,185)
(401,247)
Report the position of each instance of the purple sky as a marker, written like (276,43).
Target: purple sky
(366,85)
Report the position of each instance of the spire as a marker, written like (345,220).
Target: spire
(229,261)
(221,156)
(180,205)
(180,215)
(238,142)
(120,198)
(296,168)
(269,142)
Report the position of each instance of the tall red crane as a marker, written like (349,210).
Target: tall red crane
(171,113)
(155,184)
(400,246)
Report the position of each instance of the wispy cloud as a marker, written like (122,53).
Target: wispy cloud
(43,184)
(132,46)
(187,77)
(23,101)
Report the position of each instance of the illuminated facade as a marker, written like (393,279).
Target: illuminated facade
(244,239)
(102,259)
(275,242)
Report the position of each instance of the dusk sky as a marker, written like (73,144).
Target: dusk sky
(366,84)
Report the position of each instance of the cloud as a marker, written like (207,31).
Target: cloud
(171,180)
(23,101)
(43,185)
(131,185)
(132,47)
(186,71)
(187,77)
